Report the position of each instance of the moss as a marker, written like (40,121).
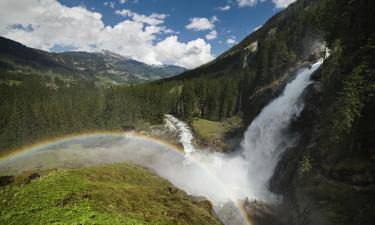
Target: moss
(115,194)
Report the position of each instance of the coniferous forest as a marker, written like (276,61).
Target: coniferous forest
(328,173)
(37,105)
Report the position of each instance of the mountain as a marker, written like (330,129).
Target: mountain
(105,66)
(255,70)
(287,37)
(326,178)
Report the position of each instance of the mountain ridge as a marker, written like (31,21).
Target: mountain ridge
(103,66)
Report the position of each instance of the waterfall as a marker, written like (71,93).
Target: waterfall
(244,174)
(266,137)
(185,133)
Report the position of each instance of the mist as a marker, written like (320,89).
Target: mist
(224,179)
(245,174)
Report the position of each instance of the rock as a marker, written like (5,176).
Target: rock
(204,203)
(262,213)
(281,181)
(128,128)
(33,176)
(6,180)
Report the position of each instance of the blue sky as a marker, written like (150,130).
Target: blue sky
(236,22)
(181,32)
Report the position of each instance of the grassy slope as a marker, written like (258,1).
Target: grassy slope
(210,130)
(115,194)
(221,136)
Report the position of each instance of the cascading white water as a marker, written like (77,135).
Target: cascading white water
(266,137)
(223,179)
(246,174)
(186,136)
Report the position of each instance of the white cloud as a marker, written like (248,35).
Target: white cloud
(232,40)
(201,24)
(123,1)
(44,24)
(224,8)
(282,3)
(243,3)
(153,19)
(212,35)
(278,3)
(188,54)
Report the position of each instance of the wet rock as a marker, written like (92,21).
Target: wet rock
(282,180)
(204,203)
(261,213)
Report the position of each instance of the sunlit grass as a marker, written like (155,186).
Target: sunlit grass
(115,194)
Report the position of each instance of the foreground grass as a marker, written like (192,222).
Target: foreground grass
(115,194)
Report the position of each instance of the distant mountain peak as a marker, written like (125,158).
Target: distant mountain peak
(113,55)
(103,66)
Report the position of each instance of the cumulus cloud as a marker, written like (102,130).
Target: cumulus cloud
(212,35)
(153,19)
(278,3)
(188,54)
(44,24)
(201,24)
(224,8)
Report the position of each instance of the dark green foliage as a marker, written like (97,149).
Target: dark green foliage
(338,168)
(45,106)
(348,75)
(104,67)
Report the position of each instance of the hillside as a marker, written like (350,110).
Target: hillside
(104,67)
(115,194)
(326,179)
(290,34)
(243,79)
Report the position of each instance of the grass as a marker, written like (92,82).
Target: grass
(210,130)
(115,194)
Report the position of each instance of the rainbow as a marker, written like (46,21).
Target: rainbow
(54,141)
(49,142)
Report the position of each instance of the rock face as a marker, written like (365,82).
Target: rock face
(332,188)
(261,213)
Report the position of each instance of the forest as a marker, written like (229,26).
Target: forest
(35,106)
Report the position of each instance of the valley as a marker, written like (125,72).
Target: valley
(277,130)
